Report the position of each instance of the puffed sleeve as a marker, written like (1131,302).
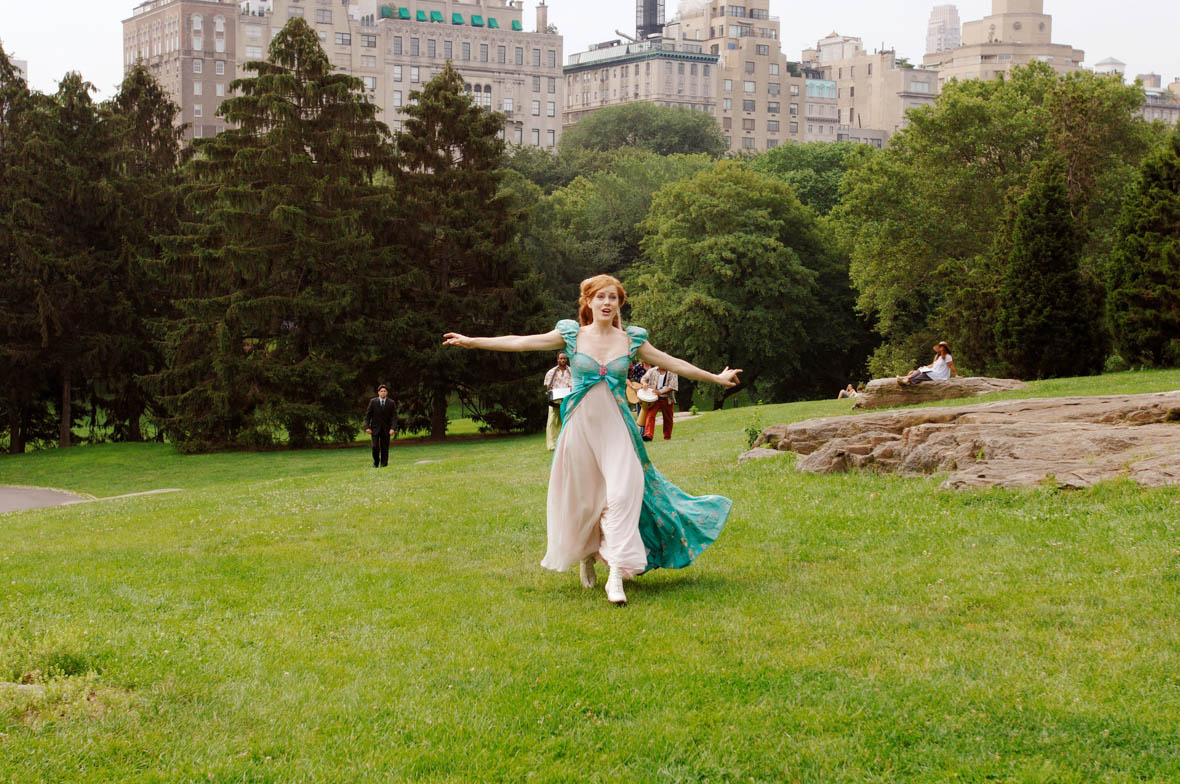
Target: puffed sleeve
(638,337)
(568,329)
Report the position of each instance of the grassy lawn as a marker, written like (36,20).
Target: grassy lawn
(301,617)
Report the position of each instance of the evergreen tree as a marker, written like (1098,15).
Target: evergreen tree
(145,158)
(1143,306)
(1048,322)
(23,400)
(275,265)
(466,269)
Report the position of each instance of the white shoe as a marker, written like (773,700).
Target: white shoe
(586,572)
(614,587)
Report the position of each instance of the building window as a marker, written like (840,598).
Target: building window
(536,137)
(536,108)
(502,54)
(507,106)
(397,97)
(705,71)
(294,11)
(537,57)
(254,31)
(747,143)
(762,50)
(750,87)
(344,39)
(219,44)
(772,126)
(794,127)
(414,47)
(370,82)
(431,47)
(536,84)
(772,107)
(368,41)
(220,89)
(254,52)
(414,74)
(520,55)
(749,66)
(323,15)
(198,66)
(448,50)
(773,88)
(551,58)
(748,106)
(726,123)
(774,69)
(727,85)
(748,124)
(397,44)
(368,61)
(483,53)
(727,104)
(397,73)
(551,137)
(466,50)
(219,67)
(197,89)
(198,43)
(552,85)
(197,23)
(198,110)
(771,143)
(551,109)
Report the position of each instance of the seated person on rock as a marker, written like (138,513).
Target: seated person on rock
(941,369)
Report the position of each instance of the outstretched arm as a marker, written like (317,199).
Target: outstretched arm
(547,340)
(652,355)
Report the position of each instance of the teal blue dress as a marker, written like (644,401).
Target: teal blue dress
(675,527)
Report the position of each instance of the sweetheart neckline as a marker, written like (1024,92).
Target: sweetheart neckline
(604,364)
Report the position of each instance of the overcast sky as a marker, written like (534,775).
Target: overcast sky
(86,35)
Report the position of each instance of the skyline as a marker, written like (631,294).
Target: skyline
(77,41)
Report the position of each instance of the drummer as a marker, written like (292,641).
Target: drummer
(664,383)
(558,383)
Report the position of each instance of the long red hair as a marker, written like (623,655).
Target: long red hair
(590,287)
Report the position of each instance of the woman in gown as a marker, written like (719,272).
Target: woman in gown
(606,500)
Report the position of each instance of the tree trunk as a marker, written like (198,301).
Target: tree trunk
(67,415)
(134,433)
(438,413)
(16,427)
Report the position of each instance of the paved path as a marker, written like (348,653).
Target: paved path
(14,498)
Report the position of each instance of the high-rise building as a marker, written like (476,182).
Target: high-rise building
(761,95)
(944,30)
(1017,32)
(394,49)
(661,70)
(873,89)
(649,18)
(1111,66)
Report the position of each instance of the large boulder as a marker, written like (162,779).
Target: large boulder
(1069,442)
(890,393)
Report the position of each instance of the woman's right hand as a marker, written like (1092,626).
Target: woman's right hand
(455,339)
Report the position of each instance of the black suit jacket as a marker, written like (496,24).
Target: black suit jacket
(379,418)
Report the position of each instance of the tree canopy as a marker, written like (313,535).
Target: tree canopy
(663,130)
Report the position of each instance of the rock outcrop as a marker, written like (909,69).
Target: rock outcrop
(1069,442)
(888,392)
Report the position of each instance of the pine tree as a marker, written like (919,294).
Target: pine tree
(26,415)
(1048,321)
(144,160)
(467,271)
(1143,306)
(275,265)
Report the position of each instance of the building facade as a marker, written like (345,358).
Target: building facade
(761,97)
(22,68)
(1017,32)
(392,49)
(873,91)
(944,31)
(660,70)
(190,47)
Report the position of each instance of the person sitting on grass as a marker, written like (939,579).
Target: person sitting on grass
(941,369)
(847,392)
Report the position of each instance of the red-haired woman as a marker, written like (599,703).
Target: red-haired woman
(606,500)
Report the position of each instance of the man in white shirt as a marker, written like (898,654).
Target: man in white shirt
(665,383)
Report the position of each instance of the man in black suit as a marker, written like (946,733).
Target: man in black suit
(380,420)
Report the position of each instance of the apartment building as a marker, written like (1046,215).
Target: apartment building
(761,96)
(1159,103)
(661,69)
(873,91)
(1016,33)
(393,48)
(190,47)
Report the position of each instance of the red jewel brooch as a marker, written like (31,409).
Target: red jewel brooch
(602,370)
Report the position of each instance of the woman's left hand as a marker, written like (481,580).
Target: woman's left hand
(728,378)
